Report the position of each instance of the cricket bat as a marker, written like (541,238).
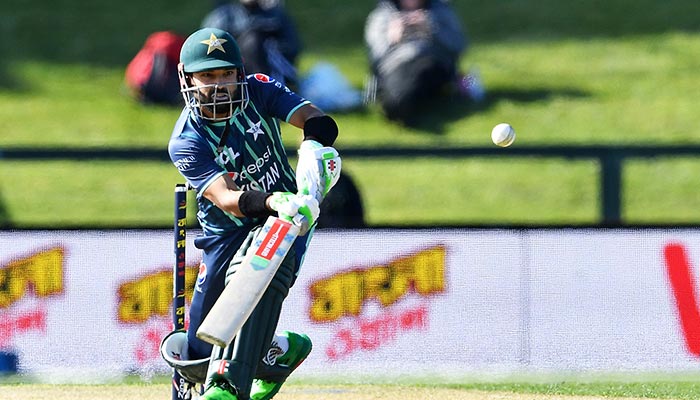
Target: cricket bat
(248,284)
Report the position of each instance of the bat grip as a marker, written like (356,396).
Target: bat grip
(298,219)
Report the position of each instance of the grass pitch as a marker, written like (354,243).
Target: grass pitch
(297,391)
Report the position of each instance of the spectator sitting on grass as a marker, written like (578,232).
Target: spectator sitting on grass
(265,33)
(414,47)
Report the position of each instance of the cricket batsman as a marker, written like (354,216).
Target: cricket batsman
(227,144)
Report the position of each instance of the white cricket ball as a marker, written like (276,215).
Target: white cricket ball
(503,135)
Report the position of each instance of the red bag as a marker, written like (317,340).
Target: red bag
(151,76)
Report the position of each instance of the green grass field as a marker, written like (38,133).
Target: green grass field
(613,72)
(665,389)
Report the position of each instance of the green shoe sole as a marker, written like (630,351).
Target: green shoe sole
(217,393)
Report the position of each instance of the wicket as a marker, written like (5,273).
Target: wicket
(180,386)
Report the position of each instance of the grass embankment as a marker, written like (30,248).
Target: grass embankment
(593,73)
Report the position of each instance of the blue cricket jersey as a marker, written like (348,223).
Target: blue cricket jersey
(252,154)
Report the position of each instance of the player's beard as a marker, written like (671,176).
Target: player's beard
(217,102)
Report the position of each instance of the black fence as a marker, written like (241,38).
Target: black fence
(610,158)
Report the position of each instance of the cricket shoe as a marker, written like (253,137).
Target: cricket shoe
(297,351)
(216,392)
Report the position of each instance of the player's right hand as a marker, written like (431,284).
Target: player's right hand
(303,210)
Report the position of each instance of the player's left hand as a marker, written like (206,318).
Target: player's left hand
(303,210)
(318,169)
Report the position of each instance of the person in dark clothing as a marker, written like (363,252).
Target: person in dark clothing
(265,33)
(414,47)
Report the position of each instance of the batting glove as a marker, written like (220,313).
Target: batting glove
(318,169)
(303,210)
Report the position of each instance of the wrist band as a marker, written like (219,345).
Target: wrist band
(252,204)
(322,129)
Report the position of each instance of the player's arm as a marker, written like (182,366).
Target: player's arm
(226,195)
(303,114)
(318,166)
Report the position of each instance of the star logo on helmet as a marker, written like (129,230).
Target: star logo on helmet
(214,43)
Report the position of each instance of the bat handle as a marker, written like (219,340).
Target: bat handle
(298,219)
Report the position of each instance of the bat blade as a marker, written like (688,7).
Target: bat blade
(248,284)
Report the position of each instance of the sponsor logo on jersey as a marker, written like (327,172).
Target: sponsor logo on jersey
(226,155)
(265,182)
(261,174)
(262,78)
(183,164)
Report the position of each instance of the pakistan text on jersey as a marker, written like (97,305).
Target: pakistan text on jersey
(265,182)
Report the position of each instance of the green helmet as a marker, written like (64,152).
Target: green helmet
(210,48)
(205,50)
